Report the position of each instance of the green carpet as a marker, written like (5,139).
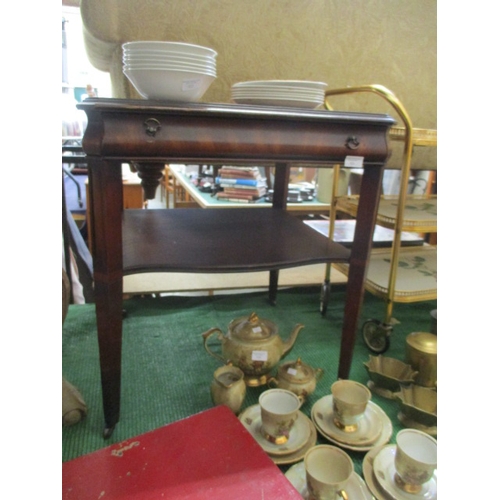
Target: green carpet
(167,372)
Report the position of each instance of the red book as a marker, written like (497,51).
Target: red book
(207,456)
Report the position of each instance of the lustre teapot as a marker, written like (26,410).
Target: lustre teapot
(253,345)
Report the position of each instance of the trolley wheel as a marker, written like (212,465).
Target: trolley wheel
(325,297)
(376,336)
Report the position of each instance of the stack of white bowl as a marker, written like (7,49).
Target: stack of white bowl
(173,71)
(296,93)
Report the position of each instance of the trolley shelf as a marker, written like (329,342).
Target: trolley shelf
(416,278)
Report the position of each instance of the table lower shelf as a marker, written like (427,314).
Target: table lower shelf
(221,241)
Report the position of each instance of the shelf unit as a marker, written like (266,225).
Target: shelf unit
(395,274)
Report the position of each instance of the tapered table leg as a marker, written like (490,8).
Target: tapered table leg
(107,200)
(358,263)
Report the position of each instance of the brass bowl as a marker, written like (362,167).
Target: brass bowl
(389,374)
(418,405)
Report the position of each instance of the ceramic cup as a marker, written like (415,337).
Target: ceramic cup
(349,403)
(279,410)
(328,470)
(228,387)
(415,460)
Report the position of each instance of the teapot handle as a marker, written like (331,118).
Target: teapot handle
(206,336)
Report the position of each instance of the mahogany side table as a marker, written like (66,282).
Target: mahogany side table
(152,133)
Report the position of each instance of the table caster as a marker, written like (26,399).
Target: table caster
(108,431)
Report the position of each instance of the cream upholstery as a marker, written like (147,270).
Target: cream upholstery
(343,43)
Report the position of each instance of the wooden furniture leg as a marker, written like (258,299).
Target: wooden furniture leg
(107,198)
(358,264)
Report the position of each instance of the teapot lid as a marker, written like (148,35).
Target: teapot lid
(252,328)
(296,371)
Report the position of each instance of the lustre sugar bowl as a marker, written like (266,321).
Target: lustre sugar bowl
(297,377)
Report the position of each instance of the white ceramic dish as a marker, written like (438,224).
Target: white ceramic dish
(356,488)
(171,67)
(299,434)
(282,83)
(279,95)
(384,470)
(182,47)
(168,56)
(384,437)
(297,103)
(143,61)
(369,426)
(370,480)
(175,85)
(301,452)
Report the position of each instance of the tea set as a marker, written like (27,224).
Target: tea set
(347,418)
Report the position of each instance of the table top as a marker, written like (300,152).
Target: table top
(188,132)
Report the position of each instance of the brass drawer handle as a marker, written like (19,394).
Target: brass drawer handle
(152,125)
(352,142)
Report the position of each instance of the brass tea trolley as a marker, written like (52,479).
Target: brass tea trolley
(416,266)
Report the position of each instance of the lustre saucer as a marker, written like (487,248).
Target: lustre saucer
(384,471)
(376,490)
(369,426)
(356,488)
(301,452)
(299,433)
(384,437)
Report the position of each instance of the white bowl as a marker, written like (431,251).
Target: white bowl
(174,85)
(168,59)
(186,48)
(174,67)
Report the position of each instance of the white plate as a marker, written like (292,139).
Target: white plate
(299,434)
(384,470)
(384,437)
(356,488)
(375,488)
(301,452)
(369,426)
(282,83)
(294,103)
(283,91)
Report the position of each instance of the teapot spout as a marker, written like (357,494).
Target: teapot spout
(289,343)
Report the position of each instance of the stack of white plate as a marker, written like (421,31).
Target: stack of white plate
(169,70)
(297,93)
